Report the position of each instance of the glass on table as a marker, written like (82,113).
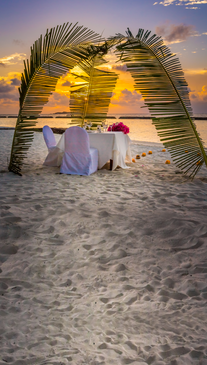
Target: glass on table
(105,126)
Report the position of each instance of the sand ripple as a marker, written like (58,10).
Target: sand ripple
(106,269)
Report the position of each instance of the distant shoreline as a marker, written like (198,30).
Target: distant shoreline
(108,117)
(54,129)
(5,128)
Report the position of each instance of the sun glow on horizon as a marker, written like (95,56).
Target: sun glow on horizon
(124,98)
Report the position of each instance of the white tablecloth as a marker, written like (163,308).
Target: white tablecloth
(110,145)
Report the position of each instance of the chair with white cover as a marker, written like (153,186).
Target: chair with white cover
(78,158)
(54,157)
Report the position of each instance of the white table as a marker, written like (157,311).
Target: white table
(113,146)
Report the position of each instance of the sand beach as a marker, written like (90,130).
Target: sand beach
(106,269)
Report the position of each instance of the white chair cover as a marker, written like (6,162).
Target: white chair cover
(79,158)
(54,157)
(48,137)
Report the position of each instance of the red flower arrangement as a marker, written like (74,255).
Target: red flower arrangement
(118,127)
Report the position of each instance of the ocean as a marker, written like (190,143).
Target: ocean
(140,126)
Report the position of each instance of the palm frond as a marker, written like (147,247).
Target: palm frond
(91,98)
(60,50)
(158,76)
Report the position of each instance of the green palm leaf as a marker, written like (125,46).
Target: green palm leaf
(159,78)
(60,50)
(91,98)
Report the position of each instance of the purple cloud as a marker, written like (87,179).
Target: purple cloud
(128,98)
(175,33)
(4,87)
(67,83)
(15,82)
(9,96)
(57,99)
(119,67)
(18,42)
(8,91)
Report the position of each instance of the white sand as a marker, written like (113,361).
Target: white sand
(106,269)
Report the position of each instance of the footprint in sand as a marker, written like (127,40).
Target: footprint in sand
(8,250)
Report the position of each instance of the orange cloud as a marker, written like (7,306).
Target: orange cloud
(196,72)
(199,95)
(12,59)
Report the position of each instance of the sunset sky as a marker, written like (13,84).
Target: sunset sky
(181,23)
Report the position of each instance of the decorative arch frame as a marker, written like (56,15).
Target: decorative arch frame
(157,75)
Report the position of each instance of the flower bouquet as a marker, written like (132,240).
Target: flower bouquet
(118,127)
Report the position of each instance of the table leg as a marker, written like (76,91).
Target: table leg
(111,164)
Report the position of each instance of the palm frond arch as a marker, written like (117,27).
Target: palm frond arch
(60,50)
(157,75)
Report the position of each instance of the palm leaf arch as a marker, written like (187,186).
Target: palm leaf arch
(157,74)
(60,50)
(90,99)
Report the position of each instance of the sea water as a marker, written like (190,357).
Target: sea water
(141,129)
